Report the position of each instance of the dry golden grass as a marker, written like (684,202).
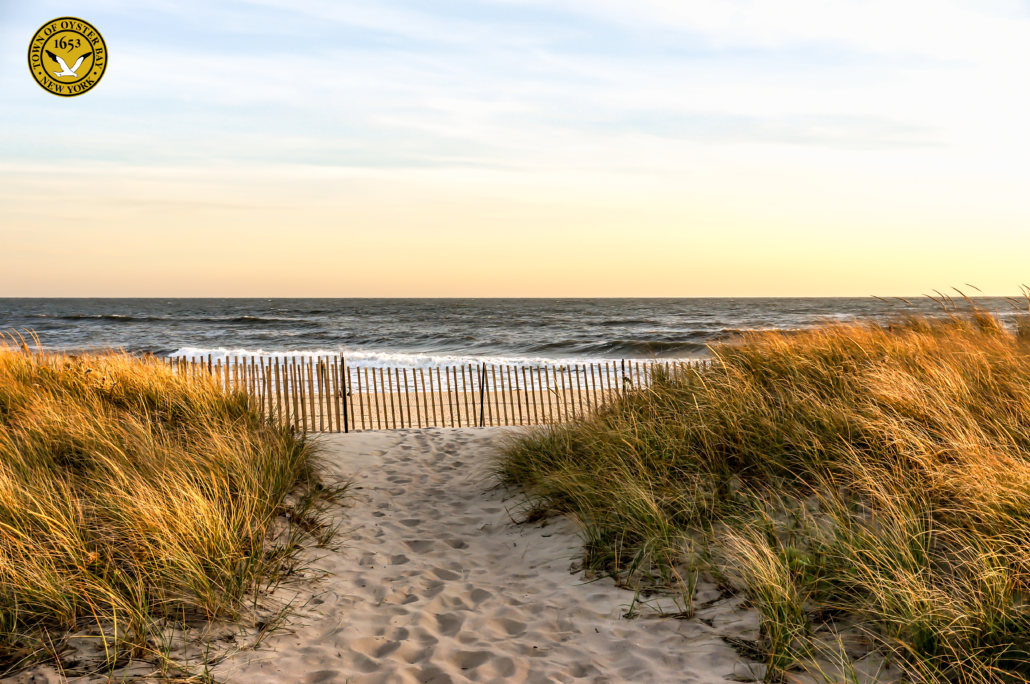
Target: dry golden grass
(880,474)
(128,495)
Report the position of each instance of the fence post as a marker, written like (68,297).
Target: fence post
(482,393)
(345,389)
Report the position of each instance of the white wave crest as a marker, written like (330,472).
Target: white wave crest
(365,359)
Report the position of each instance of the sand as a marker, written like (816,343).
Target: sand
(434,583)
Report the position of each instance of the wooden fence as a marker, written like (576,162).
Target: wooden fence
(325,394)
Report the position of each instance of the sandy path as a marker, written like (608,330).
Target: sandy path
(437,585)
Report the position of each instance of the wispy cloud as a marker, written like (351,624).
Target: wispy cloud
(403,83)
(605,147)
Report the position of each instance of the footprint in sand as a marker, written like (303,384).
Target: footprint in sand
(473,598)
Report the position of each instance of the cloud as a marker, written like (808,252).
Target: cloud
(518,83)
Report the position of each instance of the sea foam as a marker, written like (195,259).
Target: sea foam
(364,359)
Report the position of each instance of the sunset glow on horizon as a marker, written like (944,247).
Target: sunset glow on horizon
(521,148)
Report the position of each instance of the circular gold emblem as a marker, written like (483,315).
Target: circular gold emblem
(67,56)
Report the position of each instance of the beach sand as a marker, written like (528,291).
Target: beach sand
(434,583)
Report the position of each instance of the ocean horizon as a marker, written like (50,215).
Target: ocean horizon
(378,332)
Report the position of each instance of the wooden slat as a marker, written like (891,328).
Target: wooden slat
(407,397)
(425,398)
(541,395)
(545,398)
(400,399)
(580,375)
(287,393)
(513,393)
(509,397)
(573,410)
(361,396)
(329,394)
(464,391)
(300,408)
(325,396)
(290,373)
(414,386)
(260,382)
(337,395)
(530,395)
(311,392)
(378,420)
(439,388)
(299,412)
(479,389)
(278,394)
(431,422)
(384,396)
(450,397)
(298,387)
(287,397)
(257,381)
(498,396)
(320,391)
(573,398)
(266,378)
(302,397)
(387,376)
(457,396)
(247,375)
(588,380)
(485,396)
(566,398)
(556,395)
(491,396)
(582,390)
(371,398)
(352,423)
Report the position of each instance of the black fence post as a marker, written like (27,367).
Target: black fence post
(482,394)
(346,391)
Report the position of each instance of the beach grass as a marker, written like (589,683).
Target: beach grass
(852,478)
(132,499)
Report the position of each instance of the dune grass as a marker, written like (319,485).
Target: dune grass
(131,497)
(875,478)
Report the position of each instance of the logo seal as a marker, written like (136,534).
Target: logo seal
(67,56)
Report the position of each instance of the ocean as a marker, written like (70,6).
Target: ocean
(434,332)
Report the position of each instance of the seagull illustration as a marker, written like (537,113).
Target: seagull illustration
(64,65)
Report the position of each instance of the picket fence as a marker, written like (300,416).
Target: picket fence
(325,394)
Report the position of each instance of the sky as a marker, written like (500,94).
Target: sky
(567,148)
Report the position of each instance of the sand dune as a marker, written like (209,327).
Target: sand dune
(435,584)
